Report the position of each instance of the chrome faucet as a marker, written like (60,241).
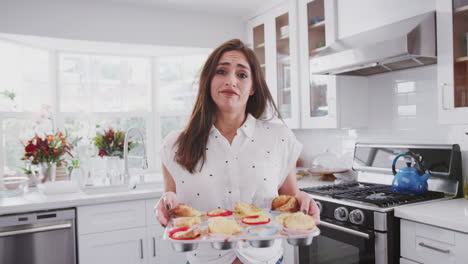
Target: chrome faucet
(145,159)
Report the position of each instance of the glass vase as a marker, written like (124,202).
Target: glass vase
(47,171)
(114,169)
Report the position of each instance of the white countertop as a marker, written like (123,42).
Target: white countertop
(36,201)
(450,214)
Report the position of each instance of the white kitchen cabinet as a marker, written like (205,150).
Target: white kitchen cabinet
(452,61)
(125,246)
(429,244)
(111,216)
(327,101)
(159,250)
(123,232)
(285,40)
(273,37)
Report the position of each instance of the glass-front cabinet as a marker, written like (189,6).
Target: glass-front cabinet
(259,45)
(273,38)
(317,30)
(452,65)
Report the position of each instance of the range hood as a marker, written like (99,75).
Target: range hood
(405,44)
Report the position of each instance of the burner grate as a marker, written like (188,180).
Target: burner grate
(377,194)
(385,197)
(337,189)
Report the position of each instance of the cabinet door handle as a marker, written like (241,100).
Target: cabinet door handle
(443,96)
(154,247)
(445,251)
(141,248)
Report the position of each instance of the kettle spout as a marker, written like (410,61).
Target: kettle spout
(425,176)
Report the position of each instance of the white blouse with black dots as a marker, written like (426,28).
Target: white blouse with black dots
(251,169)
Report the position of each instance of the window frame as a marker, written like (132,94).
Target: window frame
(152,117)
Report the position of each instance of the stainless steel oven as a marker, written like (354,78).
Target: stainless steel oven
(358,223)
(367,240)
(38,238)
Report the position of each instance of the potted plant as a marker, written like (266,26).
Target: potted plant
(48,153)
(110,145)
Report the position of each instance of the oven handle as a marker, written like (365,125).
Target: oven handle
(35,230)
(344,229)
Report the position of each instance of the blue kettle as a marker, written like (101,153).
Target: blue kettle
(409,180)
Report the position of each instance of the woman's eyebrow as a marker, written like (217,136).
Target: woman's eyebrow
(238,65)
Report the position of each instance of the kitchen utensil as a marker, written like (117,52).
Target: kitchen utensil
(409,179)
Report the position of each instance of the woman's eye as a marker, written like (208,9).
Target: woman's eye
(243,75)
(220,72)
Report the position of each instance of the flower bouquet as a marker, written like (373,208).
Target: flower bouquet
(48,153)
(111,143)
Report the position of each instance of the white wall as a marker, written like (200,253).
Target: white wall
(95,20)
(393,117)
(359,15)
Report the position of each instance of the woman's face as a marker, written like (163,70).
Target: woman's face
(231,85)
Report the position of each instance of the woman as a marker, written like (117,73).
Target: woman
(227,154)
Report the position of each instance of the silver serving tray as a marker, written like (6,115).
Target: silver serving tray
(255,239)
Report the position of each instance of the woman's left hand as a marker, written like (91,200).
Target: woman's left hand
(308,206)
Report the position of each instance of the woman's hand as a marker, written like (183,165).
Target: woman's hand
(308,206)
(164,205)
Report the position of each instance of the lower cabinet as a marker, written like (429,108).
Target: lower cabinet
(116,247)
(422,243)
(123,233)
(159,250)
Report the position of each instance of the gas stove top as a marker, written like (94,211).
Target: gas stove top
(379,195)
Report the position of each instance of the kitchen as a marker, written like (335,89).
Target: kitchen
(410,106)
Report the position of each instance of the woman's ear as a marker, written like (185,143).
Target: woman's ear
(252,92)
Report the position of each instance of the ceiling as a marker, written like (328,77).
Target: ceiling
(236,8)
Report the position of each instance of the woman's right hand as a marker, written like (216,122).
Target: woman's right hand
(163,207)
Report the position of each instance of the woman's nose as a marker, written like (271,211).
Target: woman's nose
(230,80)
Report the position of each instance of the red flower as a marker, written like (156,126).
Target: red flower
(102,153)
(56,152)
(30,147)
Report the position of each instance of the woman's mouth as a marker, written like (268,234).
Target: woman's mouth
(228,92)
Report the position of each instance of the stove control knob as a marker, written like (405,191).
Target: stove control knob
(341,214)
(319,205)
(356,217)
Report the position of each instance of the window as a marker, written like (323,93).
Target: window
(85,92)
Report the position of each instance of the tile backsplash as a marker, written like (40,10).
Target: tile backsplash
(402,108)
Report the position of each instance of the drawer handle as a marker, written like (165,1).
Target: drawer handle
(141,249)
(445,251)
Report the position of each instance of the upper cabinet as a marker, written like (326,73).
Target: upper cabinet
(327,101)
(286,39)
(273,39)
(452,64)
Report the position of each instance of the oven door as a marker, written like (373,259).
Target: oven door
(339,244)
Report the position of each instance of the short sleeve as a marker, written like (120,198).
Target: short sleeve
(292,149)
(168,150)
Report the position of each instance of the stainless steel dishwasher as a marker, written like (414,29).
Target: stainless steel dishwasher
(46,237)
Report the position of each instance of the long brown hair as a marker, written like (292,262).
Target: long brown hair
(191,144)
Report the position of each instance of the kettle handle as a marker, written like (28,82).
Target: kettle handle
(410,154)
